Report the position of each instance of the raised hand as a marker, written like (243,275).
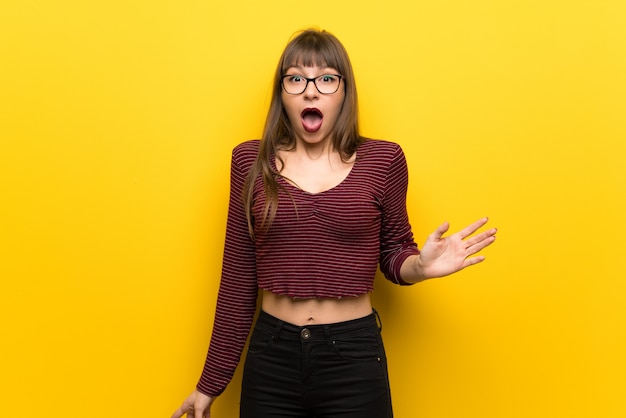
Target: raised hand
(441,256)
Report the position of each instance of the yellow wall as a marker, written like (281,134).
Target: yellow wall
(116,123)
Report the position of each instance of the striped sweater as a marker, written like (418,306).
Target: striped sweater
(327,244)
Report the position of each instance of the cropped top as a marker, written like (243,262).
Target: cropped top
(319,245)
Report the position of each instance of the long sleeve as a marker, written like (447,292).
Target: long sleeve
(236,301)
(396,237)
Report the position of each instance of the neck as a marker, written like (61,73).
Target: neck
(314,151)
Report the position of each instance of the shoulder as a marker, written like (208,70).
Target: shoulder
(379,149)
(248,147)
(245,153)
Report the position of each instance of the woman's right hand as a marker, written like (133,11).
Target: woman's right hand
(197,405)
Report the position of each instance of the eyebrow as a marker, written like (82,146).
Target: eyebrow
(300,68)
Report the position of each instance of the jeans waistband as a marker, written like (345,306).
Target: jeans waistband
(285,330)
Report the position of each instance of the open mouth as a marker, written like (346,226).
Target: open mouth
(311,119)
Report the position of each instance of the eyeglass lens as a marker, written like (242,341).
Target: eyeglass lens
(325,84)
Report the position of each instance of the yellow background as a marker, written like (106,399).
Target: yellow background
(116,123)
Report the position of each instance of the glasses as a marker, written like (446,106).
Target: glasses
(297,84)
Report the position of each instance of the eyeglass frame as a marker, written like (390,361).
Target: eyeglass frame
(308,80)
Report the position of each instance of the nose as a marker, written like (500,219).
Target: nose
(311,89)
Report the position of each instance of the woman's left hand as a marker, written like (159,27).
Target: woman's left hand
(441,256)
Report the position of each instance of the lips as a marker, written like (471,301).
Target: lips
(311,119)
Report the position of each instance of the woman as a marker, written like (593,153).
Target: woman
(314,210)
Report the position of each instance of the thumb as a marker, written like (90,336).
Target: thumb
(441,229)
(185,408)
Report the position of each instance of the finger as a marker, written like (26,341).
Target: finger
(198,411)
(481,237)
(179,413)
(185,408)
(473,249)
(474,260)
(470,229)
(438,233)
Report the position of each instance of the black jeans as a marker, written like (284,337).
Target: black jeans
(319,371)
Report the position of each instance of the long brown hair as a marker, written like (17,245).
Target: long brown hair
(308,48)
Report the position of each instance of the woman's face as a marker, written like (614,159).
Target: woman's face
(312,114)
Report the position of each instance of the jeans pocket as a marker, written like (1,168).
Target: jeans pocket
(361,348)
(259,342)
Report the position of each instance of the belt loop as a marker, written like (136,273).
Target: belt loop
(378,321)
(278,329)
(327,333)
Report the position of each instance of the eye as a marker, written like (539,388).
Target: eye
(294,79)
(327,78)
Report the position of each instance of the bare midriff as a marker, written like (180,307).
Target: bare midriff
(315,311)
